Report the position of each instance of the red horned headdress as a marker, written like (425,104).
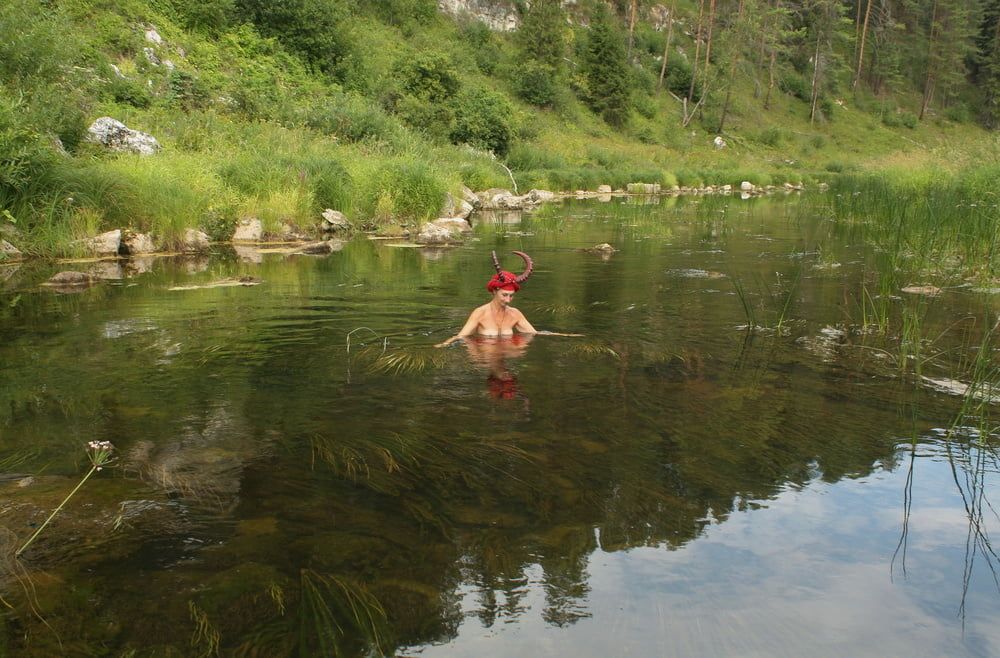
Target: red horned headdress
(504,280)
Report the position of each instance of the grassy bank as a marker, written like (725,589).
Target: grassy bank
(379,114)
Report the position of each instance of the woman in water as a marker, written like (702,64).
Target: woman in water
(497,318)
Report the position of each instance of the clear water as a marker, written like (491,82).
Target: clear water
(288,483)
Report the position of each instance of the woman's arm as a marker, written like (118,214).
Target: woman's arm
(467,330)
(523,325)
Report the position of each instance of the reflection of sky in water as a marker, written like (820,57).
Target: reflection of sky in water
(808,574)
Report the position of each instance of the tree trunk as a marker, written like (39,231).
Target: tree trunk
(814,100)
(929,82)
(631,27)
(708,41)
(666,48)
(732,71)
(861,48)
(697,53)
(770,79)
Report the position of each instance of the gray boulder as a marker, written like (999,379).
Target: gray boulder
(135,244)
(195,240)
(540,196)
(248,229)
(334,222)
(453,224)
(69,279)
(9,252)
(105,244)
(431,233)
(116,136)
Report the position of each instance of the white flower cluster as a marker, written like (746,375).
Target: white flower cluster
(100,453)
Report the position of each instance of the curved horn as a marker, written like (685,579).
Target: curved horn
(496,262)
(528,266)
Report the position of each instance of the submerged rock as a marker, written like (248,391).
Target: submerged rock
(116,136)
(930,291)
(70,279)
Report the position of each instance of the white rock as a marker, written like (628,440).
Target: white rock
(540,196)
(470,197)
(9,252)
(105,244)
(453,224)
(334,220)
(152,36)
(119,137)
(248,229)
(746,186)
(718,142)
(137,243)
(604,189)
(151,56)
(431,233)
(195,240)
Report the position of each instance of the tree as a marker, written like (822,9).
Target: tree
(949,42)
(606,70)
(542,44)
(825,22)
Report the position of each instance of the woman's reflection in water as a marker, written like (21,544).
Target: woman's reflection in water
(493,353)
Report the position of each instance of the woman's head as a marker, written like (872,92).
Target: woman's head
(504,280)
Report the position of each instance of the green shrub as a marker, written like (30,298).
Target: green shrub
(959,113)
(645,105)
(678,77)
(480,41)
(210,16)
(24,156)
(770,136)
(314,29)
(428,76)
(908,119)
(535,83)
(795,85)
(352,118)
(435,120)
(484,119)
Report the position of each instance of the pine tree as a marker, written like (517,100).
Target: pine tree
(606,70)
(541,41)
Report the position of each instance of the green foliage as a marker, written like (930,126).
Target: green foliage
(606,70)
(432,119)
(403,188)
(541,37)
(482,43)
(899,119)
(484,119)
(314,29)
(405,13)
(209,16)
(24,157)
(678,77)
(428,76)
(535,83)
(352,118)
(795,85)
(772,136)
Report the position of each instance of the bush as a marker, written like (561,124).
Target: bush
(311,28)
(795,85)
(535,83)
(959,113)
(484,119)
(352,118)
(429,76)
(678,78)
(479,39)
(24,157)
(525,156)
(433,119)
(770,136)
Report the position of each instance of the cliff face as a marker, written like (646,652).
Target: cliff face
(499,15)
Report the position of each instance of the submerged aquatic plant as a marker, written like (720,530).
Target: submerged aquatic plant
(100,454)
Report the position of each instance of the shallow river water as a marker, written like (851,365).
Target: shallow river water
(300,473)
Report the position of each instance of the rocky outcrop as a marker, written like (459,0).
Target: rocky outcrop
(498,15)
(459,208)
(116,136)
(643,188)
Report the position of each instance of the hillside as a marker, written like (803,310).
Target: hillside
(379,108)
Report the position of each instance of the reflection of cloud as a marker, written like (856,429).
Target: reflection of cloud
(807,575)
